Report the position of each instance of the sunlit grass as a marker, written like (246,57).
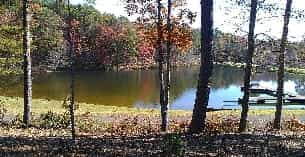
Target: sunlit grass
(14,105)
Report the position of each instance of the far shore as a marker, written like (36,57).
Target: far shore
(257,68)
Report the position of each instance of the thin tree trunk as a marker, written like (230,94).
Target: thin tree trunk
(58,6)
(161,72)
(168,62)
(247,78)
(206,68)
(280,83)
(72,86)
(27,63)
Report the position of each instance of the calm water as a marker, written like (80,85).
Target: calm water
(141,88)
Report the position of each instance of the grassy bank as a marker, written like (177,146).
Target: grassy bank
(14,105)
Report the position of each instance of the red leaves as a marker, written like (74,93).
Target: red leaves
(115,43)
(75,36)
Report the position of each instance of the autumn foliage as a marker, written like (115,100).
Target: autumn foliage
(115,44)
(146,13)
(100,40)
(181,37)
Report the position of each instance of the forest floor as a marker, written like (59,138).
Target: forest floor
(116,131)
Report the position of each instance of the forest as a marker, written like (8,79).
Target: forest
(95,31)
(77,81)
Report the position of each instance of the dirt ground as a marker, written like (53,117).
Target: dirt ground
(139,136)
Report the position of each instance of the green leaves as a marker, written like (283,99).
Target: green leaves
(46,31)
(54,120)
(10,42)
(10,48)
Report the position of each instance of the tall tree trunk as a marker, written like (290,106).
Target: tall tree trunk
(247,78)
(206,68)
(72,86)
(168,61)
(280,83)
(58,7)
(161,70)
(27,63)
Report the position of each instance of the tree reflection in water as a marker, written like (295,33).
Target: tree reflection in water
(141,88)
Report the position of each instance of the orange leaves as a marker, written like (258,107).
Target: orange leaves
(294,124)
(145,47)
(146,13)
(181,37)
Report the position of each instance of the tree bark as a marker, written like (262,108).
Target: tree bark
(168,61)
(161,71)
(206,68)
(168,52)
(72,74)
(247,78)
(280,83)
(27,63)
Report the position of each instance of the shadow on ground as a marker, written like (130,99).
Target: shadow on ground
(195,145)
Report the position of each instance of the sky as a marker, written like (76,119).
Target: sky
(223,18)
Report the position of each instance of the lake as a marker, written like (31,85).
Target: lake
(141,88)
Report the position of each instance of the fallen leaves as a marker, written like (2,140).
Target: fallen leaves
(117,134)
(294,125)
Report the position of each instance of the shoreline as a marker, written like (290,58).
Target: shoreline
(257,68)
(290,70)
(260,68)
(14,105)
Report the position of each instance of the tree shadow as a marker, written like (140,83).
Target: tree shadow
(151,145)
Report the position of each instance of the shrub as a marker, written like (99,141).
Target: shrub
(54,120)
(17,121)
(3,110)
(173,146)
(66,103)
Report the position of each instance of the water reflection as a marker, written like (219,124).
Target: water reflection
(141,88)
